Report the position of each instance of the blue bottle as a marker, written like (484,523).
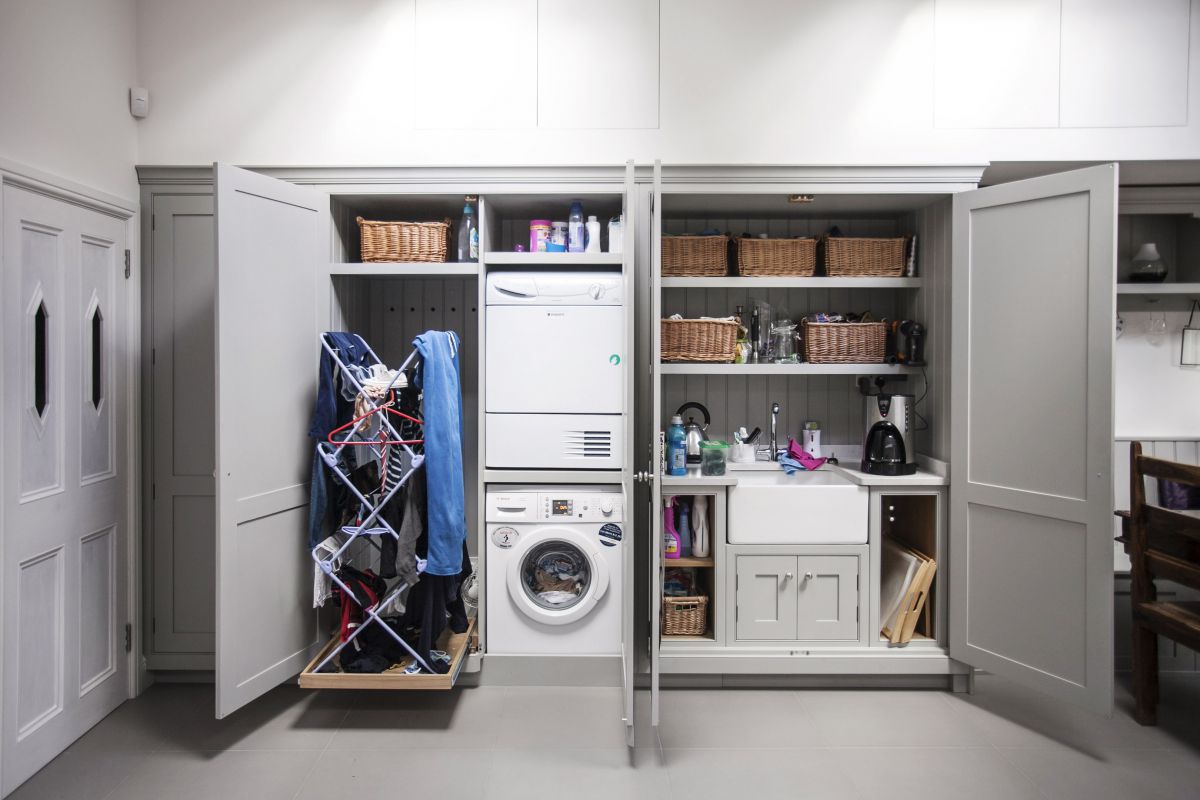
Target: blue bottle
(685,529)
(676,447)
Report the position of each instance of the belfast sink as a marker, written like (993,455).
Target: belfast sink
(772,507)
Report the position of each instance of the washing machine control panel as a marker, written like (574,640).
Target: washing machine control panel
(579,506)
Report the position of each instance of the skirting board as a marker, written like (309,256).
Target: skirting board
(505,670)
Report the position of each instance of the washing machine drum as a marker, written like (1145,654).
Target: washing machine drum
(557,577)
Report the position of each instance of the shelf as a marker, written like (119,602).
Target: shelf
(494,475)
(456,644)
(553,259)
(787,369)
(690,561)
(1164,289)
(405,270)
(695,480)
(679,637)
(791,283)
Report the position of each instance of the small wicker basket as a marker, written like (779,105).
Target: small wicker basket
(685,616)
(845,342)
(864,258)
(695,256)
(423,242)
(765,258)
(698,340)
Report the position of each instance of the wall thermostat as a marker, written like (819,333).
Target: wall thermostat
(139,102)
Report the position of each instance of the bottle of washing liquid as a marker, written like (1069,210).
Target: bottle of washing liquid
(685,529)
(576,232)
(593,235)
(670,535)
(468,235)
(701,541)
(676,447)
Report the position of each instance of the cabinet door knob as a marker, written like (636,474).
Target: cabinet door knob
(808,576)
(787,576)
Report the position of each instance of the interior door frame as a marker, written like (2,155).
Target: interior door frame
(127,211)
(1100,183)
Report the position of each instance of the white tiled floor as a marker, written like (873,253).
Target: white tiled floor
(1003,742)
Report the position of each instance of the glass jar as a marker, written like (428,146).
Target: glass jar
(1148,265)
(712,457)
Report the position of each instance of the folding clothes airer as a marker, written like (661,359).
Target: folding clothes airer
(377,401)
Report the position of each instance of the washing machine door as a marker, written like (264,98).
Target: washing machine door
(557,576)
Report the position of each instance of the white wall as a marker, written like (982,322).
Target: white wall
(289,82)
(1156,398)
(65,71)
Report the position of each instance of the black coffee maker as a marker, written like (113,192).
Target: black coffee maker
(887,448)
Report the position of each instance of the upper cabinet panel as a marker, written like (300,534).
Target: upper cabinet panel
(597,64)
(996,64)
(477,64)
(1124,63)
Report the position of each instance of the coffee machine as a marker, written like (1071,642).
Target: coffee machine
(889,448)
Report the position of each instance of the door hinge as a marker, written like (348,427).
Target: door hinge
(126,264)
(128,637)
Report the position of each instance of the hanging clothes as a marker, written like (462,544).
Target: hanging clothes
(438,378)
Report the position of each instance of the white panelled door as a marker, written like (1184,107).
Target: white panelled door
(64,487)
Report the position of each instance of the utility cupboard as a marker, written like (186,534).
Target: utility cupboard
(1013,495)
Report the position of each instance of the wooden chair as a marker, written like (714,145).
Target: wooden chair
(1162,544)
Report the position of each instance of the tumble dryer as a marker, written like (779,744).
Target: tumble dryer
(554,370)
(554,570)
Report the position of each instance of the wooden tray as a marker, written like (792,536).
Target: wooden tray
(456,644)
(914,603)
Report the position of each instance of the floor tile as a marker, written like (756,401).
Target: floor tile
(739,718)
(79,775)
(592,773)
(561,717)
(450,774)
(933,773)
(879,718)
(468,718)
(262,775)
(1065,774)
(701,774)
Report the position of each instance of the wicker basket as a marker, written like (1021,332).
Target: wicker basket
(845,342)
(403,241)
(698,340)
(695,256)
(685,616)
(864,258)
(765,258)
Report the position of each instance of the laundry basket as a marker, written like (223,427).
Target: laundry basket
(713,340)
(685,616)
(845,342)
(848,257)
(768,258)
(695,256)
(423,242)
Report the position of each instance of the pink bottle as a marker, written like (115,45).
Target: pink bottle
(671,543)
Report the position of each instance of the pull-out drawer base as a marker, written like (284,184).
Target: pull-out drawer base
(457,645)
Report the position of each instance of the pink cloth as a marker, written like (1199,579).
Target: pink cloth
(807,461)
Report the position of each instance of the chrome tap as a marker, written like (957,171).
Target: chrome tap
(774,427)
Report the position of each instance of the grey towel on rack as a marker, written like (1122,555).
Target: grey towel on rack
(412,526)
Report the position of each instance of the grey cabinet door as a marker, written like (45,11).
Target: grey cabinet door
(1031,578)
(653,470)
(271,237)
(766,597)
(827,598)
(628,623)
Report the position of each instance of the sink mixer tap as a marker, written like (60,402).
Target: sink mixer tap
(774,427)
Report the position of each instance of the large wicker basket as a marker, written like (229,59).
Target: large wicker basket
(698,340)
(403,241)
(864,258)
(685,616)
(845,342)
(695,256)
(765,258)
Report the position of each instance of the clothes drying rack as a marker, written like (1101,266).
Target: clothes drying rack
(370,524)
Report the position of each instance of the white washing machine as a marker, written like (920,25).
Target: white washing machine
(554,370)
(554,570)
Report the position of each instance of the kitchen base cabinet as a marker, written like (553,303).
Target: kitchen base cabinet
(791,598)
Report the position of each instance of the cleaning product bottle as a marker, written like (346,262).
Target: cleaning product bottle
(701,541)
(468,235)
(576,232)
(593,235)
(670,535)
(684,531)
(676,447)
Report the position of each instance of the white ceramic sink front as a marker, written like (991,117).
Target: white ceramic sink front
(820,507)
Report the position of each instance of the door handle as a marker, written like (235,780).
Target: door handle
(808,576)
(787,576)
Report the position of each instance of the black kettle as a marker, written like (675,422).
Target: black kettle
(695,433)
(884,452)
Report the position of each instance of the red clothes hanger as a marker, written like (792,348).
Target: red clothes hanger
(385,408)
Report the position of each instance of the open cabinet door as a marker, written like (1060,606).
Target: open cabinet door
(1031,581)
(270,239)
(628,623)
(653,473)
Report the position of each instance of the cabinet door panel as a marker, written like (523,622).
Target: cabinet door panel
(827,597)
(766,597)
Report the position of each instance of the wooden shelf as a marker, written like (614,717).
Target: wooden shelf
(1163,289)
(499,257)
(455,644)
(690,561)
(405,270)
(787,369)
(678,637)
(791,283)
